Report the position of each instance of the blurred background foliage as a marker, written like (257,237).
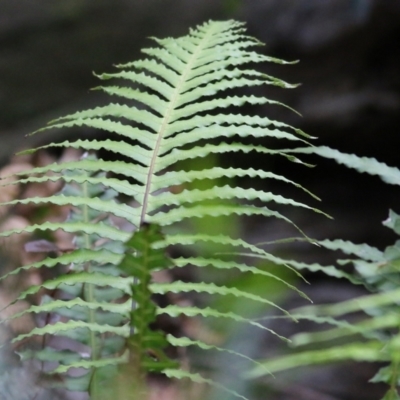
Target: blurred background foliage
(349,99)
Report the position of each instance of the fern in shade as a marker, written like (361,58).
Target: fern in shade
(374,336)
(168,109)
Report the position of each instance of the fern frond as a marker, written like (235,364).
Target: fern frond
(181,92)
(374,337)
(173,107)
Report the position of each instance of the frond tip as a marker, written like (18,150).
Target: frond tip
(175,96)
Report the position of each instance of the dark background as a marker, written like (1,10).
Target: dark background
(349,98)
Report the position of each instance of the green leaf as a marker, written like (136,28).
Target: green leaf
(211,288)
(89,364)
(390,175)
(80,256)
(370,301)
(363,251)
(185,342)
(65,328)
(176,311)
(392,394)
(197,378)
(393,222)
(368,351)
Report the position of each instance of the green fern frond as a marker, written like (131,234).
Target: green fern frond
(173,107)
(176,82)
(374,337)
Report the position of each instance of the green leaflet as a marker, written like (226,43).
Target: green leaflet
(103,230)
(363,251)
(176,311)
(353,305)
(202,151)
(390,175)
(211,288)
(369,351)
(329,270)
(91,278)
(367,328)
(197,378)
(90,165)
(221,264)
(93,364)
(119,210)
(185,342)
(65,329)
(124,149)
(179,177)
(225,192)
(120,309)
(77,256)
(391,395)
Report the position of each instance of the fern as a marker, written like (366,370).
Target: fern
(172,110)
(375,336)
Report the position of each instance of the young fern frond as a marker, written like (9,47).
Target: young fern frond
(173,110)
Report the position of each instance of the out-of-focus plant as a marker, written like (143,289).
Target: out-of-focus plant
(375,336)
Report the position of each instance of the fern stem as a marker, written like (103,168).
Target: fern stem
(165,122)
(394,379)
(133,305)
(88,295)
